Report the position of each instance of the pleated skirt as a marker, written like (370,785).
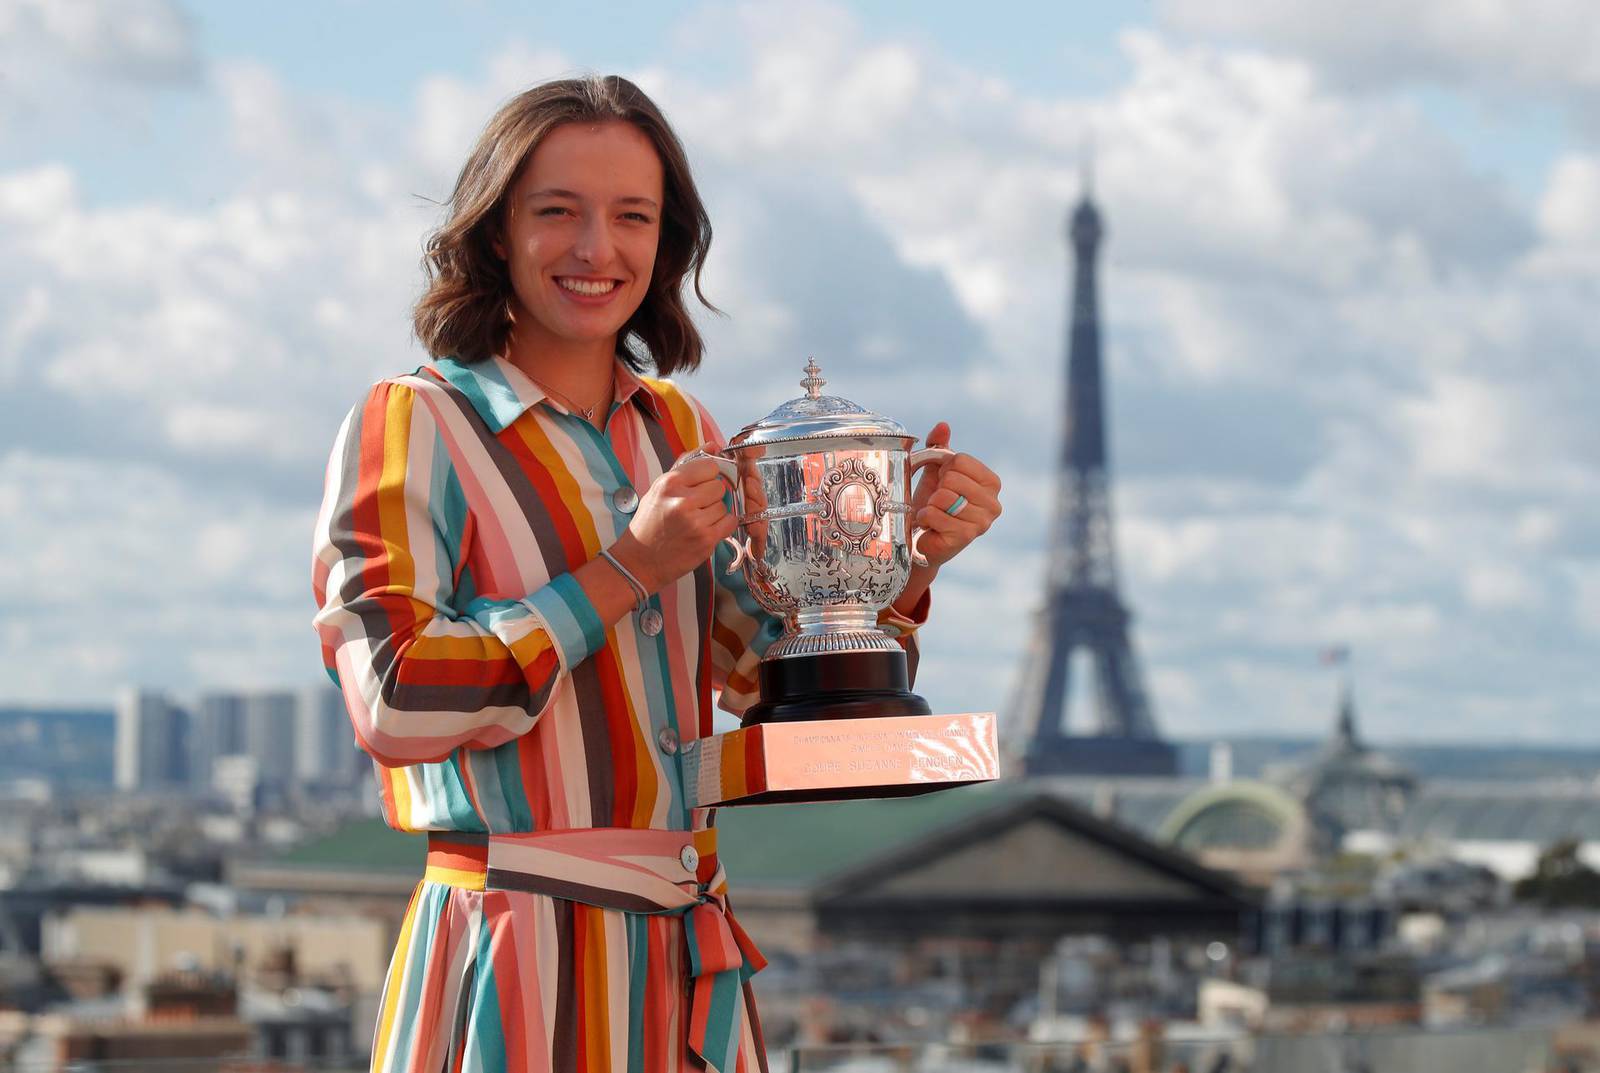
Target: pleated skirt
(514,982)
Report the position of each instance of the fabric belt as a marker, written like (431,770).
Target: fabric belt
(636,871)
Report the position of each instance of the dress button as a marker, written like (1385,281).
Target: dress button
(667,738)
(689,858)
(625,499)
(650,621)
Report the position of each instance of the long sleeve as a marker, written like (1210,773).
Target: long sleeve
(422,676)
(741,632)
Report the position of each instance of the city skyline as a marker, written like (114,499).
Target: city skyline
(1347,307)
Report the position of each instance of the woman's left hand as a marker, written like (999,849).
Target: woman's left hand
(962,483)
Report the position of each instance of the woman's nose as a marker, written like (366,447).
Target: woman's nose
(594,242)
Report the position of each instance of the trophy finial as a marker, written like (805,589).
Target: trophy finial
(812,383)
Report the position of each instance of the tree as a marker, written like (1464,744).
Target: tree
(1561,879)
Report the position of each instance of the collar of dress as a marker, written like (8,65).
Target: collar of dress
(501,392)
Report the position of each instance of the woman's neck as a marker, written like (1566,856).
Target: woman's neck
(581,374)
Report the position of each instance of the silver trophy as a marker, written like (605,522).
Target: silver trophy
(822,489)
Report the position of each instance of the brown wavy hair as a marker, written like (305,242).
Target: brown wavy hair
(465,311)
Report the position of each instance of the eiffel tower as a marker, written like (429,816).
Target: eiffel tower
(1082,610)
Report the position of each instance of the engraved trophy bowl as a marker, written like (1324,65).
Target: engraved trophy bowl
(822,489)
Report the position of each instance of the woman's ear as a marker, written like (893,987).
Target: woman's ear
(497,246)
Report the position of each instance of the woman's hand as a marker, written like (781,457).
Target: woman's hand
(677,524)
(942,486)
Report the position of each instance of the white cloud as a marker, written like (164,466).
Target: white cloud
(1521,43)
(449,113)
(121,39)
(1569,212)
(1351,381)
(206,330)
(150,566)
(1493,586)
(67,60)
(1585,590)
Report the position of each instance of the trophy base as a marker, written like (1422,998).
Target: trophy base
(835,685)
(841,759)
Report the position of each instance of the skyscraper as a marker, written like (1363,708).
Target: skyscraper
(151,741)
(325,745)
(217,730)
(269,736)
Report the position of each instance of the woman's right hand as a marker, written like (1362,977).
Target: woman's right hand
(677,524)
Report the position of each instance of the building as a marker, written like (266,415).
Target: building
(217,731)
(270,725)
(151,744)
(1347,788)
(325,747)
(142,943)
(1082,640)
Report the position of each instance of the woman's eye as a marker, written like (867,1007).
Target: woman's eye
(637,217)
(553,210)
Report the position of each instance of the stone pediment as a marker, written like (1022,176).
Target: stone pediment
(1036,851)
(1037,859)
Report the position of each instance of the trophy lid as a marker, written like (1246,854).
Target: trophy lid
(814,415)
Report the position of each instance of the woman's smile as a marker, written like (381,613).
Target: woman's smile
(581,288)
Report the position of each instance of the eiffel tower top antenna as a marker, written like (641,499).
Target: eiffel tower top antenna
(1086,165)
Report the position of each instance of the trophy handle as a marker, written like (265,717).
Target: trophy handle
(917,558)
(729,472)
(917,460)
(741,552)
(921,458)
(725,466)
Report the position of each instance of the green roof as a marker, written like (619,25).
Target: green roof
(792,845)
(360,846)
(764,845)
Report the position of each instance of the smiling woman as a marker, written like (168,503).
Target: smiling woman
(523,597)
(518,603)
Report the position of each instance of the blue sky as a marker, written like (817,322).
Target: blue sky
(1348,288)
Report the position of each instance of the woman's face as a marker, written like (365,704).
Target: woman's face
(582,223)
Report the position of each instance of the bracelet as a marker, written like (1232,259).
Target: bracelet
(640,596)
(650,621)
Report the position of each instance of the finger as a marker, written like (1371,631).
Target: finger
(947,498)
(963,463)
(959,484)
(704,493)
(958,530)
(971,523)
(692,469)
(938,436)
(715,511)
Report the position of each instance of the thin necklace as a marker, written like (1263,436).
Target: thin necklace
(586,411)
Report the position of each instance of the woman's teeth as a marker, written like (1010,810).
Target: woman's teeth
(585,286)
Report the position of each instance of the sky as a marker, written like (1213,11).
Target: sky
(1348,294)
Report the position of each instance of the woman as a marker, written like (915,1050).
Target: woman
(518,601)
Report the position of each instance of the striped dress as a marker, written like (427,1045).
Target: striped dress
(538,746)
